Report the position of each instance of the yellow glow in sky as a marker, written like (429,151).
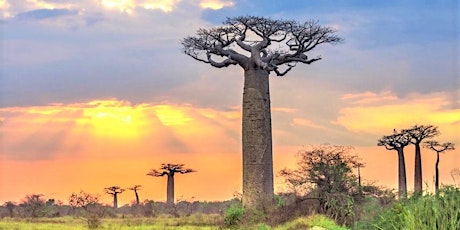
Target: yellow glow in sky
(164,5)
(126,6)
(171,116)
(215,4)
(41,4)
(113,119)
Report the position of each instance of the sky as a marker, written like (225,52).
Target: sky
(95,93)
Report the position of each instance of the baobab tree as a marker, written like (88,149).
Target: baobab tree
(170,170)
(135,188)
(438,148)
(114,191)
(397,142)
(260,46)
(417,134)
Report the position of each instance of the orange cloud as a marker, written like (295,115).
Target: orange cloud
(62,148)
(305,122)
(377,113)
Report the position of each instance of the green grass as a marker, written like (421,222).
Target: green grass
(198,222)
(66,223)
(310,222)
(430,211)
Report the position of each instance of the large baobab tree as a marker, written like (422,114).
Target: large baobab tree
(170,170)
(114,191)
(135,188)
(260,46)
(438,148)
(418,133)
(397,142)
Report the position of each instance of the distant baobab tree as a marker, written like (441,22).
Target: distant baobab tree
(397,142)
(260,46)
(170,170)
(418,133)
(114,191)
(135,188)
(438,148)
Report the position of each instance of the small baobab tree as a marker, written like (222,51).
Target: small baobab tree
(397,142)
(260,46)
(438,148)
(136,188)
(170,170)
(114,191)
(417,134)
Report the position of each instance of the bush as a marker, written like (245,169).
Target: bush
(234,216)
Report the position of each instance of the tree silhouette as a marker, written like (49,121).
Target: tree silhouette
(10,206)
(114,191)
(169,170)
(438,148)
(418,133)
(83,199)
(135,188)
(260,46)
(397,142)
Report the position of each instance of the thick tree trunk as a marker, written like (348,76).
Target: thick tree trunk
(170,189)
(436,182)
(418,170)
(115,200)
(402,185)
(257,140)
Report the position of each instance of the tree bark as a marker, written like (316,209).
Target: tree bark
(170,189)
(436,182)
(137,197)
(115,200)
(418,170)
(402,185)
(257,139)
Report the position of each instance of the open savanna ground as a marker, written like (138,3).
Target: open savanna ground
(201,222)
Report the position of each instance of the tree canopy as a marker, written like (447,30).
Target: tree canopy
(270,43)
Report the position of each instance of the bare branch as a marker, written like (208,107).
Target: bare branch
(168,169)
(154,172)
(438,147)
(278,42)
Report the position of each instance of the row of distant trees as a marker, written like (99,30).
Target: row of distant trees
(168,170)
(35,206)
(419,136)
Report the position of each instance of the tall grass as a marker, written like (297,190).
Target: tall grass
(440,211)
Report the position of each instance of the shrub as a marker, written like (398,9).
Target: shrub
(234,216)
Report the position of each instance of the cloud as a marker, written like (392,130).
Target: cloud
(305,122)
(45,13)
(366,113)
(216,4)
(102,128)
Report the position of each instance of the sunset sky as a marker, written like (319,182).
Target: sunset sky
(95,93)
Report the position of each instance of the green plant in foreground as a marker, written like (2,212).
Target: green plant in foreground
(233,216)
(439,211)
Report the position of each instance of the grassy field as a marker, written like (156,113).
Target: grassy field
(198,222)
(68,223)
